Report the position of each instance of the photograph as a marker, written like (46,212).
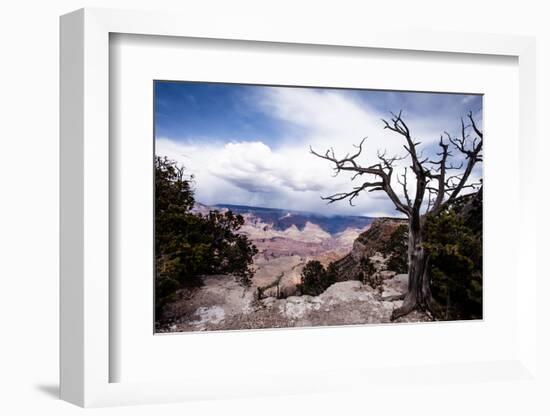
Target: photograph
(297,206)
(218,208)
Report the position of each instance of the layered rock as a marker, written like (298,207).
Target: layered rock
(367,245)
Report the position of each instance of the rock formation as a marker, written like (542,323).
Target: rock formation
(222,304)
(367,245)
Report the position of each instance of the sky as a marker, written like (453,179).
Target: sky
(249,145)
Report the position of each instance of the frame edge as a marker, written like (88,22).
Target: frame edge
(71,201)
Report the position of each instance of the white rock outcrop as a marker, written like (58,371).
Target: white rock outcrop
(222,304)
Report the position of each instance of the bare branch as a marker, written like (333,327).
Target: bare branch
(432,195)
(354,193)
(399,126)
(405,190)
(446,188)
(478,132)
(472,153)
(382,170)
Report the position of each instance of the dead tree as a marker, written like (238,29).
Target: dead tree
(436,188)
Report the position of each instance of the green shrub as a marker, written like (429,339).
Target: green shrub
(368,275)
(315,279)
(454,243)
(189,245)
(396,250)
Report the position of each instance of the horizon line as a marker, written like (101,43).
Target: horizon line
(298,211)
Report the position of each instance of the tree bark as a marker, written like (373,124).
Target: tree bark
(419,295)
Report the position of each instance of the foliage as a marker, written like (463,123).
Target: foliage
(189,245)
(454,243)
(369,274)
(396,250)
(332,273)
(315,279)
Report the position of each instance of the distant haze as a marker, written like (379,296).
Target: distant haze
(283,219)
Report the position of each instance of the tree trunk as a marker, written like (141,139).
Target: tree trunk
(419,295)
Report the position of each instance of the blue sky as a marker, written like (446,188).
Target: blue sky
(200,110)
(249,144)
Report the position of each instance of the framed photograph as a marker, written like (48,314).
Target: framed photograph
(288,195)
(255,227)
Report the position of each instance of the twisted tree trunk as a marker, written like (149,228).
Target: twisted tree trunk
(419,295)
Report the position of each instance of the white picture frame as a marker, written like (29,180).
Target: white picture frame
(85,352)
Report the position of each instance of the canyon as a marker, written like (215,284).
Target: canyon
(286,241)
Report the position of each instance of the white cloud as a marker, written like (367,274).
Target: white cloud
(254,166)
(288,176)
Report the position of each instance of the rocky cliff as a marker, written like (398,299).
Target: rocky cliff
(368,244)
